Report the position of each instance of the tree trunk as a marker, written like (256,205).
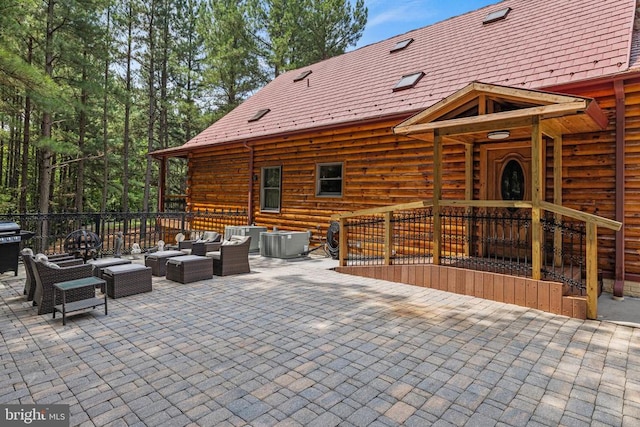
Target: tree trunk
(105,118)
(26,140)
(127,115)
(152,112)
(46,166)
(82,131)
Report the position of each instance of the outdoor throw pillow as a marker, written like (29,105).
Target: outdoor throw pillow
(41,258)
(52,265)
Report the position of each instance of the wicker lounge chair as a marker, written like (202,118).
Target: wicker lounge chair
(210,241)
(232,257)
(30,282)
(46,275)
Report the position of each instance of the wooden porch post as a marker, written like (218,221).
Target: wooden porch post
(468,193)
(592,270)
(557,197)
(437,194)
(537,183)
(162,183)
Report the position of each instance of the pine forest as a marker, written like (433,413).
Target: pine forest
(89,87)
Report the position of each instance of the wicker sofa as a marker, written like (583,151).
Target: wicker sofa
(46,275)
(232,256)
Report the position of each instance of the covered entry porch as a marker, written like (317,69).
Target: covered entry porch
(510,222)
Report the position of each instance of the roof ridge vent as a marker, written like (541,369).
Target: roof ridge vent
(498,15)
(259,114)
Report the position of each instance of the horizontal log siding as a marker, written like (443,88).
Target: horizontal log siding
(383,169)
(218,179)
(589,165)
(632,179)
(379,169)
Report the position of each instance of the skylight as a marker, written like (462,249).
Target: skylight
(259,115)
(497,15)
(302,75)
(401,45)
(408,81)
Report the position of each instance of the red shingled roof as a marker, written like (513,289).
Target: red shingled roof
(541,43)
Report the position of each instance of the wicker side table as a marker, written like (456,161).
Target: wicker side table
(127,279)
(189,268)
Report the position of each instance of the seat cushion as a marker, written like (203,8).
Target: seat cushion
(184,258)
(122,268)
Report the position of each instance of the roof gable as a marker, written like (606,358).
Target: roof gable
(539,44)
(479,108)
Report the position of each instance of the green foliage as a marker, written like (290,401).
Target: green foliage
(294,33)
(7,202)
(192,61)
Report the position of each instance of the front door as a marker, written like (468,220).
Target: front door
(506,233)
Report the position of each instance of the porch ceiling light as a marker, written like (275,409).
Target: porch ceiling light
(498,134)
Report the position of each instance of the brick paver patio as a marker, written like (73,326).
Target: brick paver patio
(294,343)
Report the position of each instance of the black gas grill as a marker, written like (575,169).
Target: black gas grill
(10,238)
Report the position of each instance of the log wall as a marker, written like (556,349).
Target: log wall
(383,169)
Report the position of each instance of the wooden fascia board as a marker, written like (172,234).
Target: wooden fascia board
(503,120)
(594,111)
(526,95)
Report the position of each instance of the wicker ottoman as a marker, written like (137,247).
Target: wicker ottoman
(127,279)
(158,261)
(100,264)
(189,268)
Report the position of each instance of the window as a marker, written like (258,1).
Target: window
(259,115)
(408,81)
(270,189)
(329,179)
(401,45)
(497,15)
(302,76)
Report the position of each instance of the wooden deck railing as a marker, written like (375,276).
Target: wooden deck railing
(591,223)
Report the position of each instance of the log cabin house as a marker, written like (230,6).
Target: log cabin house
(505,128)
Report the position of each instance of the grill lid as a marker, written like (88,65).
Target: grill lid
(8,226)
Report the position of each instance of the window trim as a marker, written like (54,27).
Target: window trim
(318,179)
(262,190)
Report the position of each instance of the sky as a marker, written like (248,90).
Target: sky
(389,18)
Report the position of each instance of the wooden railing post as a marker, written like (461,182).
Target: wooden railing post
(388,237)
(592,270)
(537,187)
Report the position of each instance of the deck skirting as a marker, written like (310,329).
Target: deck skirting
(525,292)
